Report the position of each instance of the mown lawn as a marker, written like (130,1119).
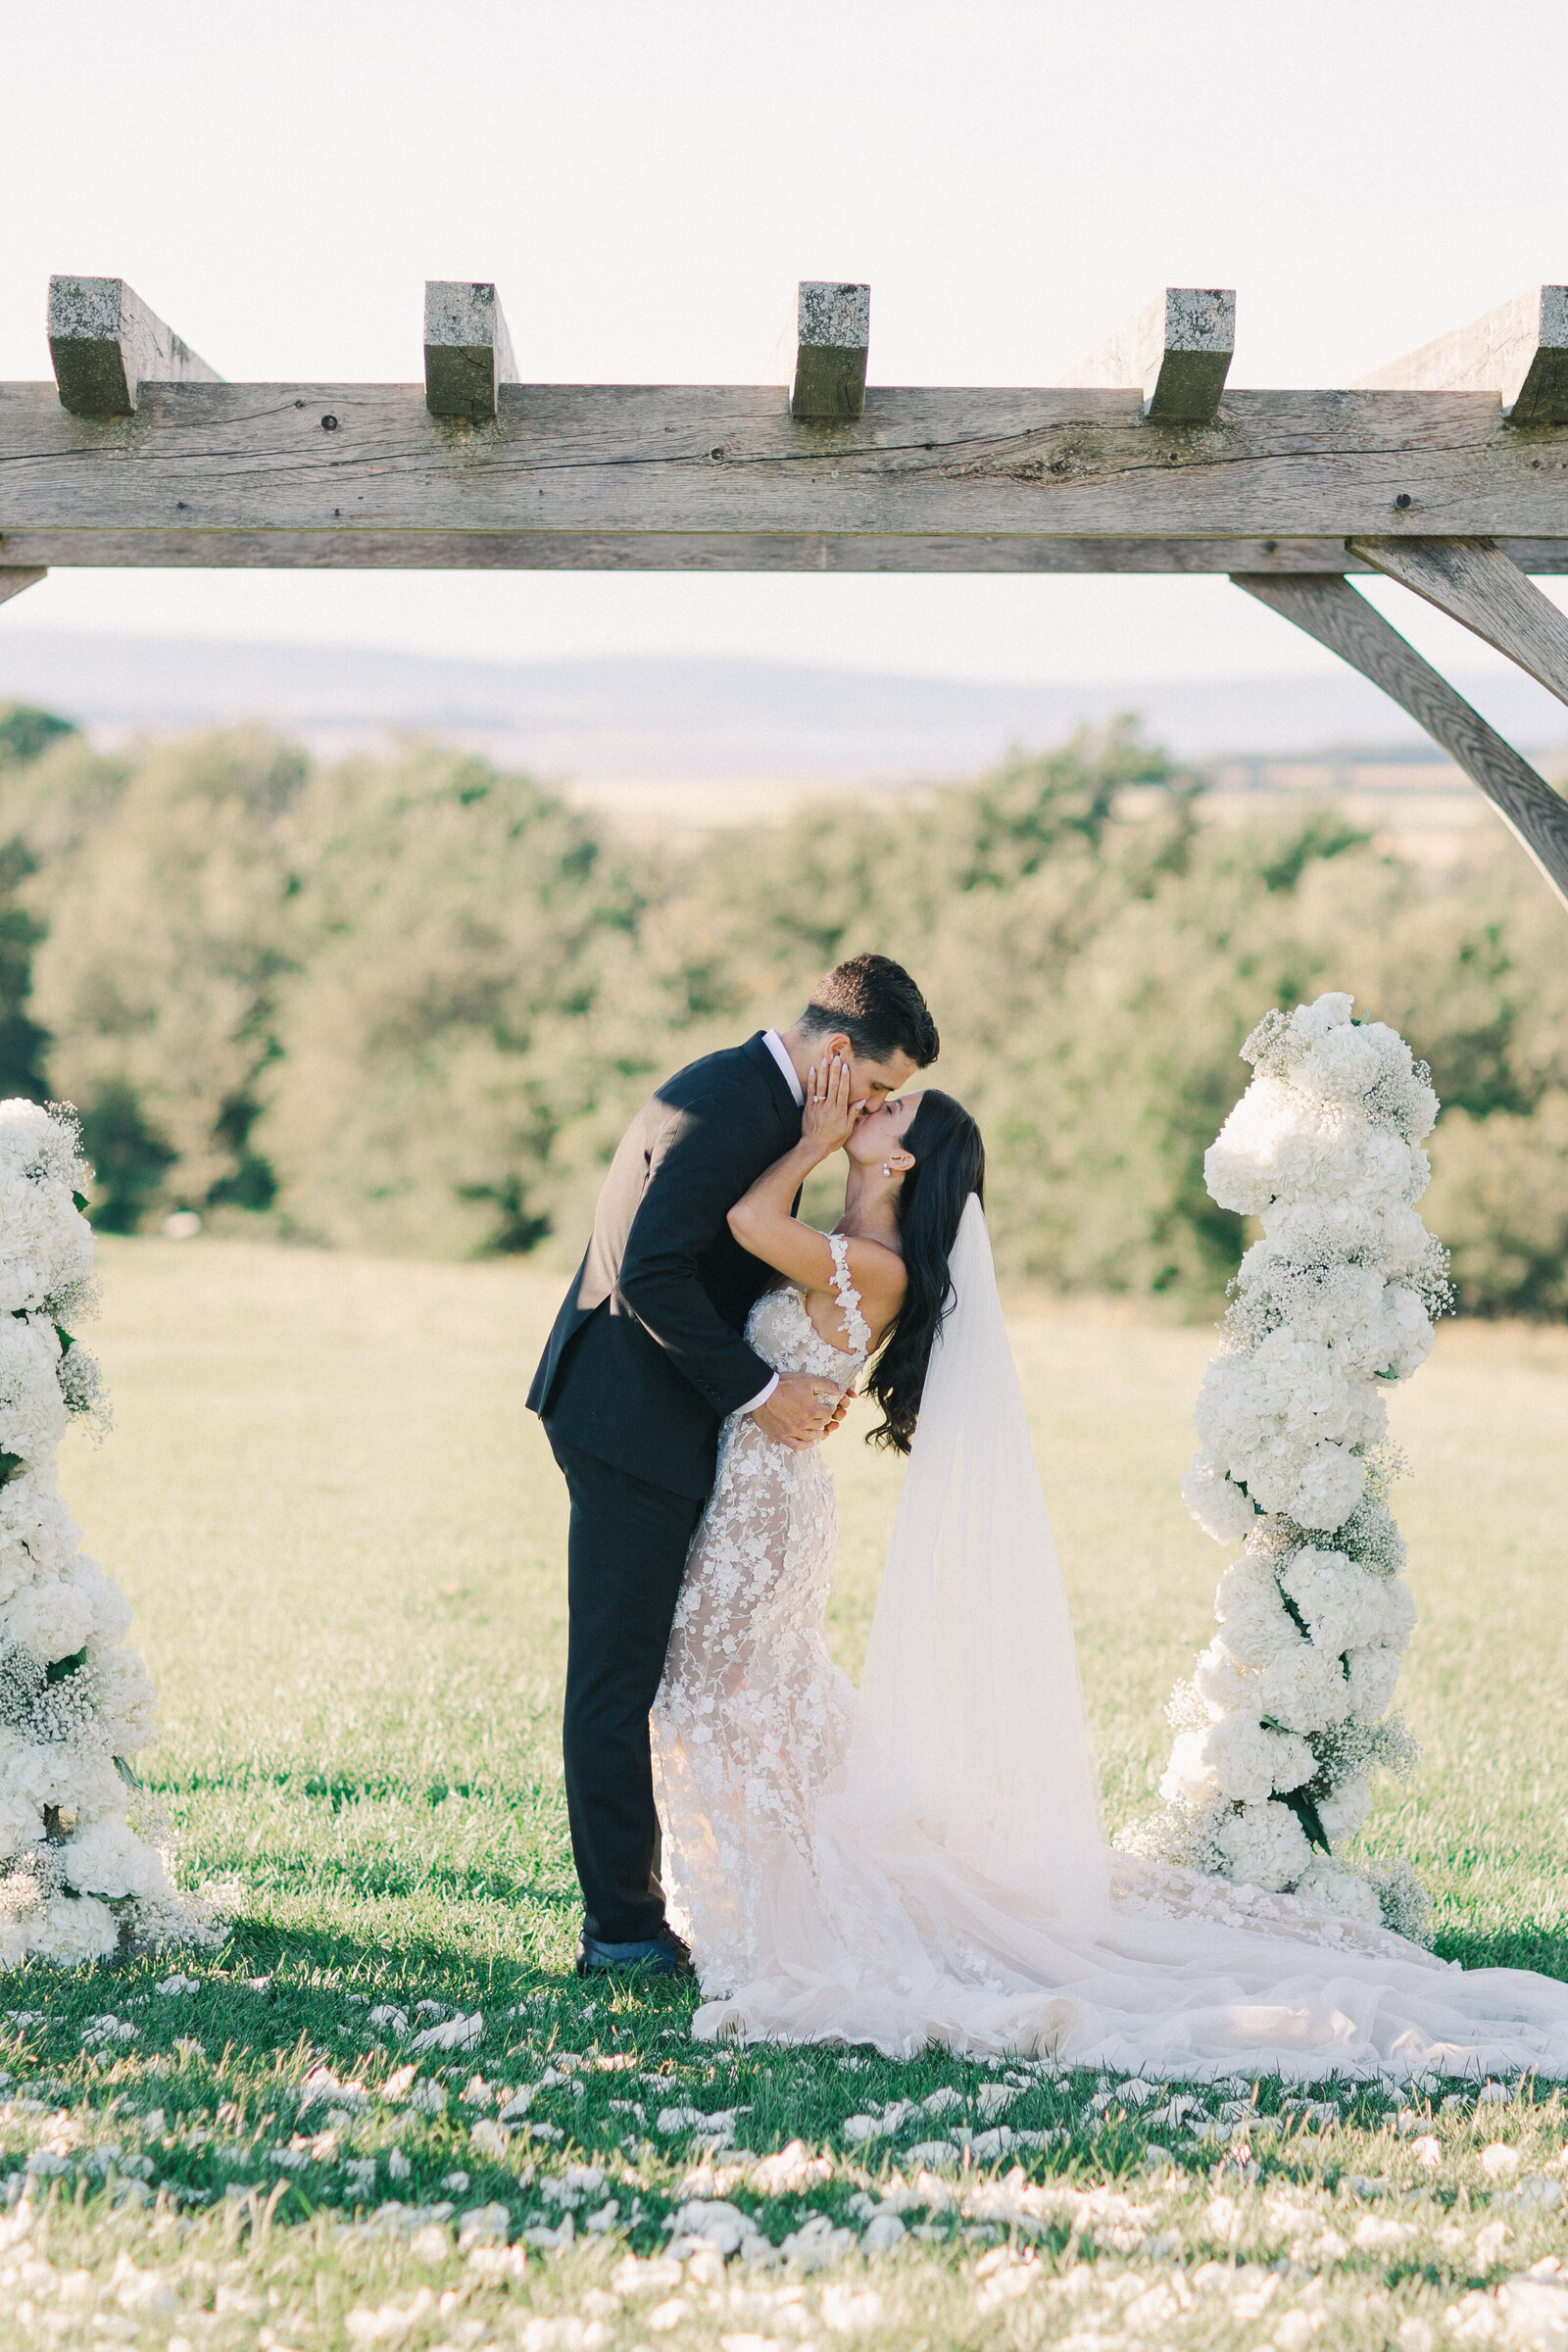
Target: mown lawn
(343,1536)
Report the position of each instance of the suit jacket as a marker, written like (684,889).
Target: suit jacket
(647,1354)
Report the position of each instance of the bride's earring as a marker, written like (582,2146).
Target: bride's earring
(887,1167)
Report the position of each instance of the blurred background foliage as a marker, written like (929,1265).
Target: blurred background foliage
(408,1003)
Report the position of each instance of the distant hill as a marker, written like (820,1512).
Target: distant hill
(652,719)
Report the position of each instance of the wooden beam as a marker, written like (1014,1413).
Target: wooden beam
(14,577)
(1519,351)
(832,341)
(340,549)
(599,474)
(468,351)
(1330,610)
(105,344)
(1472,580)
(1177,350)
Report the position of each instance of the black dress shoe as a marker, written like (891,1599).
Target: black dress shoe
(661,1955)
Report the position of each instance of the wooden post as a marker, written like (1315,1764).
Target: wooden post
(1519,351)
(1329,609)
(468,351)
(832,339)
(14,577)
(1177,350)
(105,344)
(1472,580)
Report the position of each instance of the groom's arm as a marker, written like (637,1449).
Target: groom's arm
(702,1159)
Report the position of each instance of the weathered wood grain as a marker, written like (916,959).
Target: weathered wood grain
(14,577)
(468,351)
(832,341)
(1472,580)
(350,549)
(1178,349)
(1519,351)
(295,464)
(105,344)
(1330,610)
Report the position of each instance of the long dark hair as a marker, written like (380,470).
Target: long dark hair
(950,1163)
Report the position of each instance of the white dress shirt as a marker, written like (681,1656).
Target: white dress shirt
(780,1052)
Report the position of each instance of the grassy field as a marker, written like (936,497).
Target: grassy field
(343,1538)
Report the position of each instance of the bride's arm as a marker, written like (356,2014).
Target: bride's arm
(760,1218)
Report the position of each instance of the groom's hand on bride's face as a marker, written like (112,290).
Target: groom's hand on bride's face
(797,1413)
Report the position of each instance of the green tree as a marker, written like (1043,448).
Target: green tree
(166,884)
(455,927)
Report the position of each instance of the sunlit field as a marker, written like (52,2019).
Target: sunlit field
(343,1537)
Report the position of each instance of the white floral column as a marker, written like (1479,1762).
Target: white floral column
(75,1704)
(1286,1713)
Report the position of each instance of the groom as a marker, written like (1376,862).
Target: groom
(646,1357)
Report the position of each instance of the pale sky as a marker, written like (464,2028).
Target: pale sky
(646,184)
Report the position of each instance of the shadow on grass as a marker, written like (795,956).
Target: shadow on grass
(1543,1950)
(385,1879)
(341,1791)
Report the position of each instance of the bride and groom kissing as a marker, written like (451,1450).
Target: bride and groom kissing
(920,1860)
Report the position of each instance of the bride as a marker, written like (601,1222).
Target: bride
(922,1860)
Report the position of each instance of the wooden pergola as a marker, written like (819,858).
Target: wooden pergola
(1446,472)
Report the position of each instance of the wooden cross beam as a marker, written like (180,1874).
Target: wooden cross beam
(694,476)
(1472,580)
(1447,472)
(1330,610)
(105,344)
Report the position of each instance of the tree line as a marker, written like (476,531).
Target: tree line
(407,1002)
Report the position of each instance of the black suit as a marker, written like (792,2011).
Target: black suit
(645,1358)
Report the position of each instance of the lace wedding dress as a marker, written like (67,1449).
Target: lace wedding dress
(922,1860)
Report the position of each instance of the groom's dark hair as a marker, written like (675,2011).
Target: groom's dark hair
(878,1008)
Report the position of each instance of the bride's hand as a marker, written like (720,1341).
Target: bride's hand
(828,1121)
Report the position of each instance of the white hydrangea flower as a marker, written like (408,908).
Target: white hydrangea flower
(1221,1679)
(70,1928)
(109,1859)
(1344,1606)
(1256,1625)
(1306,1689)
(96,1791)
(42,1142)
(1399,1615)
(1343,1811)
(1251,1763)
(1328,1488)
(1332,1881)
(126,1700)
(37,1534)
(21,1824)
(44,1773)
(32,1411)
(1404,1334)
(1370,1677)
(52,1618)
(110,1610)
(1219,1506)
(45,1243)
(1264,1845)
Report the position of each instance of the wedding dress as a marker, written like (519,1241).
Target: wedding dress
(922,1860)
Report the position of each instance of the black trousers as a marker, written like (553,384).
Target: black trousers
(624,1557)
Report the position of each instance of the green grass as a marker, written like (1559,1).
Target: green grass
(343,1538)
